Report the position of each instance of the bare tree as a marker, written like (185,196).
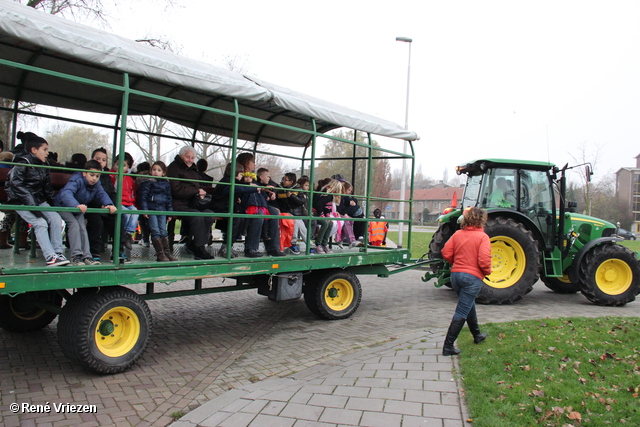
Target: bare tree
(586,155)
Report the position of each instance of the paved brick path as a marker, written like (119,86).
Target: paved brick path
(203,346)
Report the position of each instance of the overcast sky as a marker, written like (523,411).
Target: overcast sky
(513,79)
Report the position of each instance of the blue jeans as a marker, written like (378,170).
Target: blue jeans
(48,229)
(130,221)
(467,286)
(158,226)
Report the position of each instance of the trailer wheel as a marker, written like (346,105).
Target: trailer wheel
(22,313)
(333,294)
(561,285)
(440,237)
(105,330)
(610,275)
(515,262)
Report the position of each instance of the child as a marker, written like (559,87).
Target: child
(292,202)
(254,202)
(349,208)
(130,221)
(378,230)
(31,186)
(325,206)
(155,195)
(100,225)
(82,189)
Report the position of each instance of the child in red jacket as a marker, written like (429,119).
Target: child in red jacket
(129,221)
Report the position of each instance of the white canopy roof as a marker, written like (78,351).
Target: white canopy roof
(28,36)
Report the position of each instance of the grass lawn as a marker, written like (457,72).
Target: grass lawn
(419,242)
(554,372)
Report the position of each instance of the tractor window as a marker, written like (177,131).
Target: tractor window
(471,191)
(536,200)
(499,190)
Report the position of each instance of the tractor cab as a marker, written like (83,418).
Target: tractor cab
(513,188)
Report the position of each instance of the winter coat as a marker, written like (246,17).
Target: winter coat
(183,191)
(322,204)
(108,187)
(79,192)
(295,203)
(220,195)
(155,195)
(345,207)
(469,251)
(128,189)
(29,186)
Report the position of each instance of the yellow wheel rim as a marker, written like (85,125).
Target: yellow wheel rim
(614,276)
(339,295)
(117,332)
(564,279)
(508,262)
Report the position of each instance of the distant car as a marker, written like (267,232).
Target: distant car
(626,234)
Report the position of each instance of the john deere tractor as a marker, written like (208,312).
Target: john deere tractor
(535,235)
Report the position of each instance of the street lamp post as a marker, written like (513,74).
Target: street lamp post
(404,148)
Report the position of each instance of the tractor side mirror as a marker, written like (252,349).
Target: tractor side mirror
(571,206)
(588,172)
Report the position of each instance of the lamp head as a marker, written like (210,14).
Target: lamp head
(404,39)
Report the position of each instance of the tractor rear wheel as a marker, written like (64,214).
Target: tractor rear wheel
(440,237)
(561,285)
(515,261)
(610,275)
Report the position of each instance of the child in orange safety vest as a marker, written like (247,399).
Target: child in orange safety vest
(378,230)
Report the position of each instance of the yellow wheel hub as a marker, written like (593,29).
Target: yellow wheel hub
(117,332)
(614,276)
(508,262)
(339,295)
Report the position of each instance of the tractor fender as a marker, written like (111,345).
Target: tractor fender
(521,218)
(575,265)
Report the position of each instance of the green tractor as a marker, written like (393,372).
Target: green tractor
(535,235)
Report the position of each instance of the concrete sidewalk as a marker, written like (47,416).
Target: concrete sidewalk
(404,382)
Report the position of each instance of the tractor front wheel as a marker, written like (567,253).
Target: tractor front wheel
(561,285)
(610,275)
(515,262)
(333,294)
(105,330)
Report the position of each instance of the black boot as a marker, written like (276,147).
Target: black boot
(454,330)
(472,322)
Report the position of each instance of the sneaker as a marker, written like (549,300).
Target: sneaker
(54,260)
(294,249)
(90,261)
(319,249)
(77,261)
(123,258)
(95,257)
(327,250)
(61,257)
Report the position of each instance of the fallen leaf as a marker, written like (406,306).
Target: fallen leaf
(538,393)
(582,380)
(538,409)
(574,416)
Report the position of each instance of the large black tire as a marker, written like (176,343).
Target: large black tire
(332,294)
(22,313)
(515,262)
(106,330)
(561,285)
(440,237)
(610,275)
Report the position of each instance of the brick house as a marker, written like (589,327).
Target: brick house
(435,199)
(628,188)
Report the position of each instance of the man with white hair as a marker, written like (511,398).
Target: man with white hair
(184,192)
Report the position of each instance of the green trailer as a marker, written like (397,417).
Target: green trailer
(77,75)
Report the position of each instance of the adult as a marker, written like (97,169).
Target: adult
(469,252)
(272,245)
(184,191)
